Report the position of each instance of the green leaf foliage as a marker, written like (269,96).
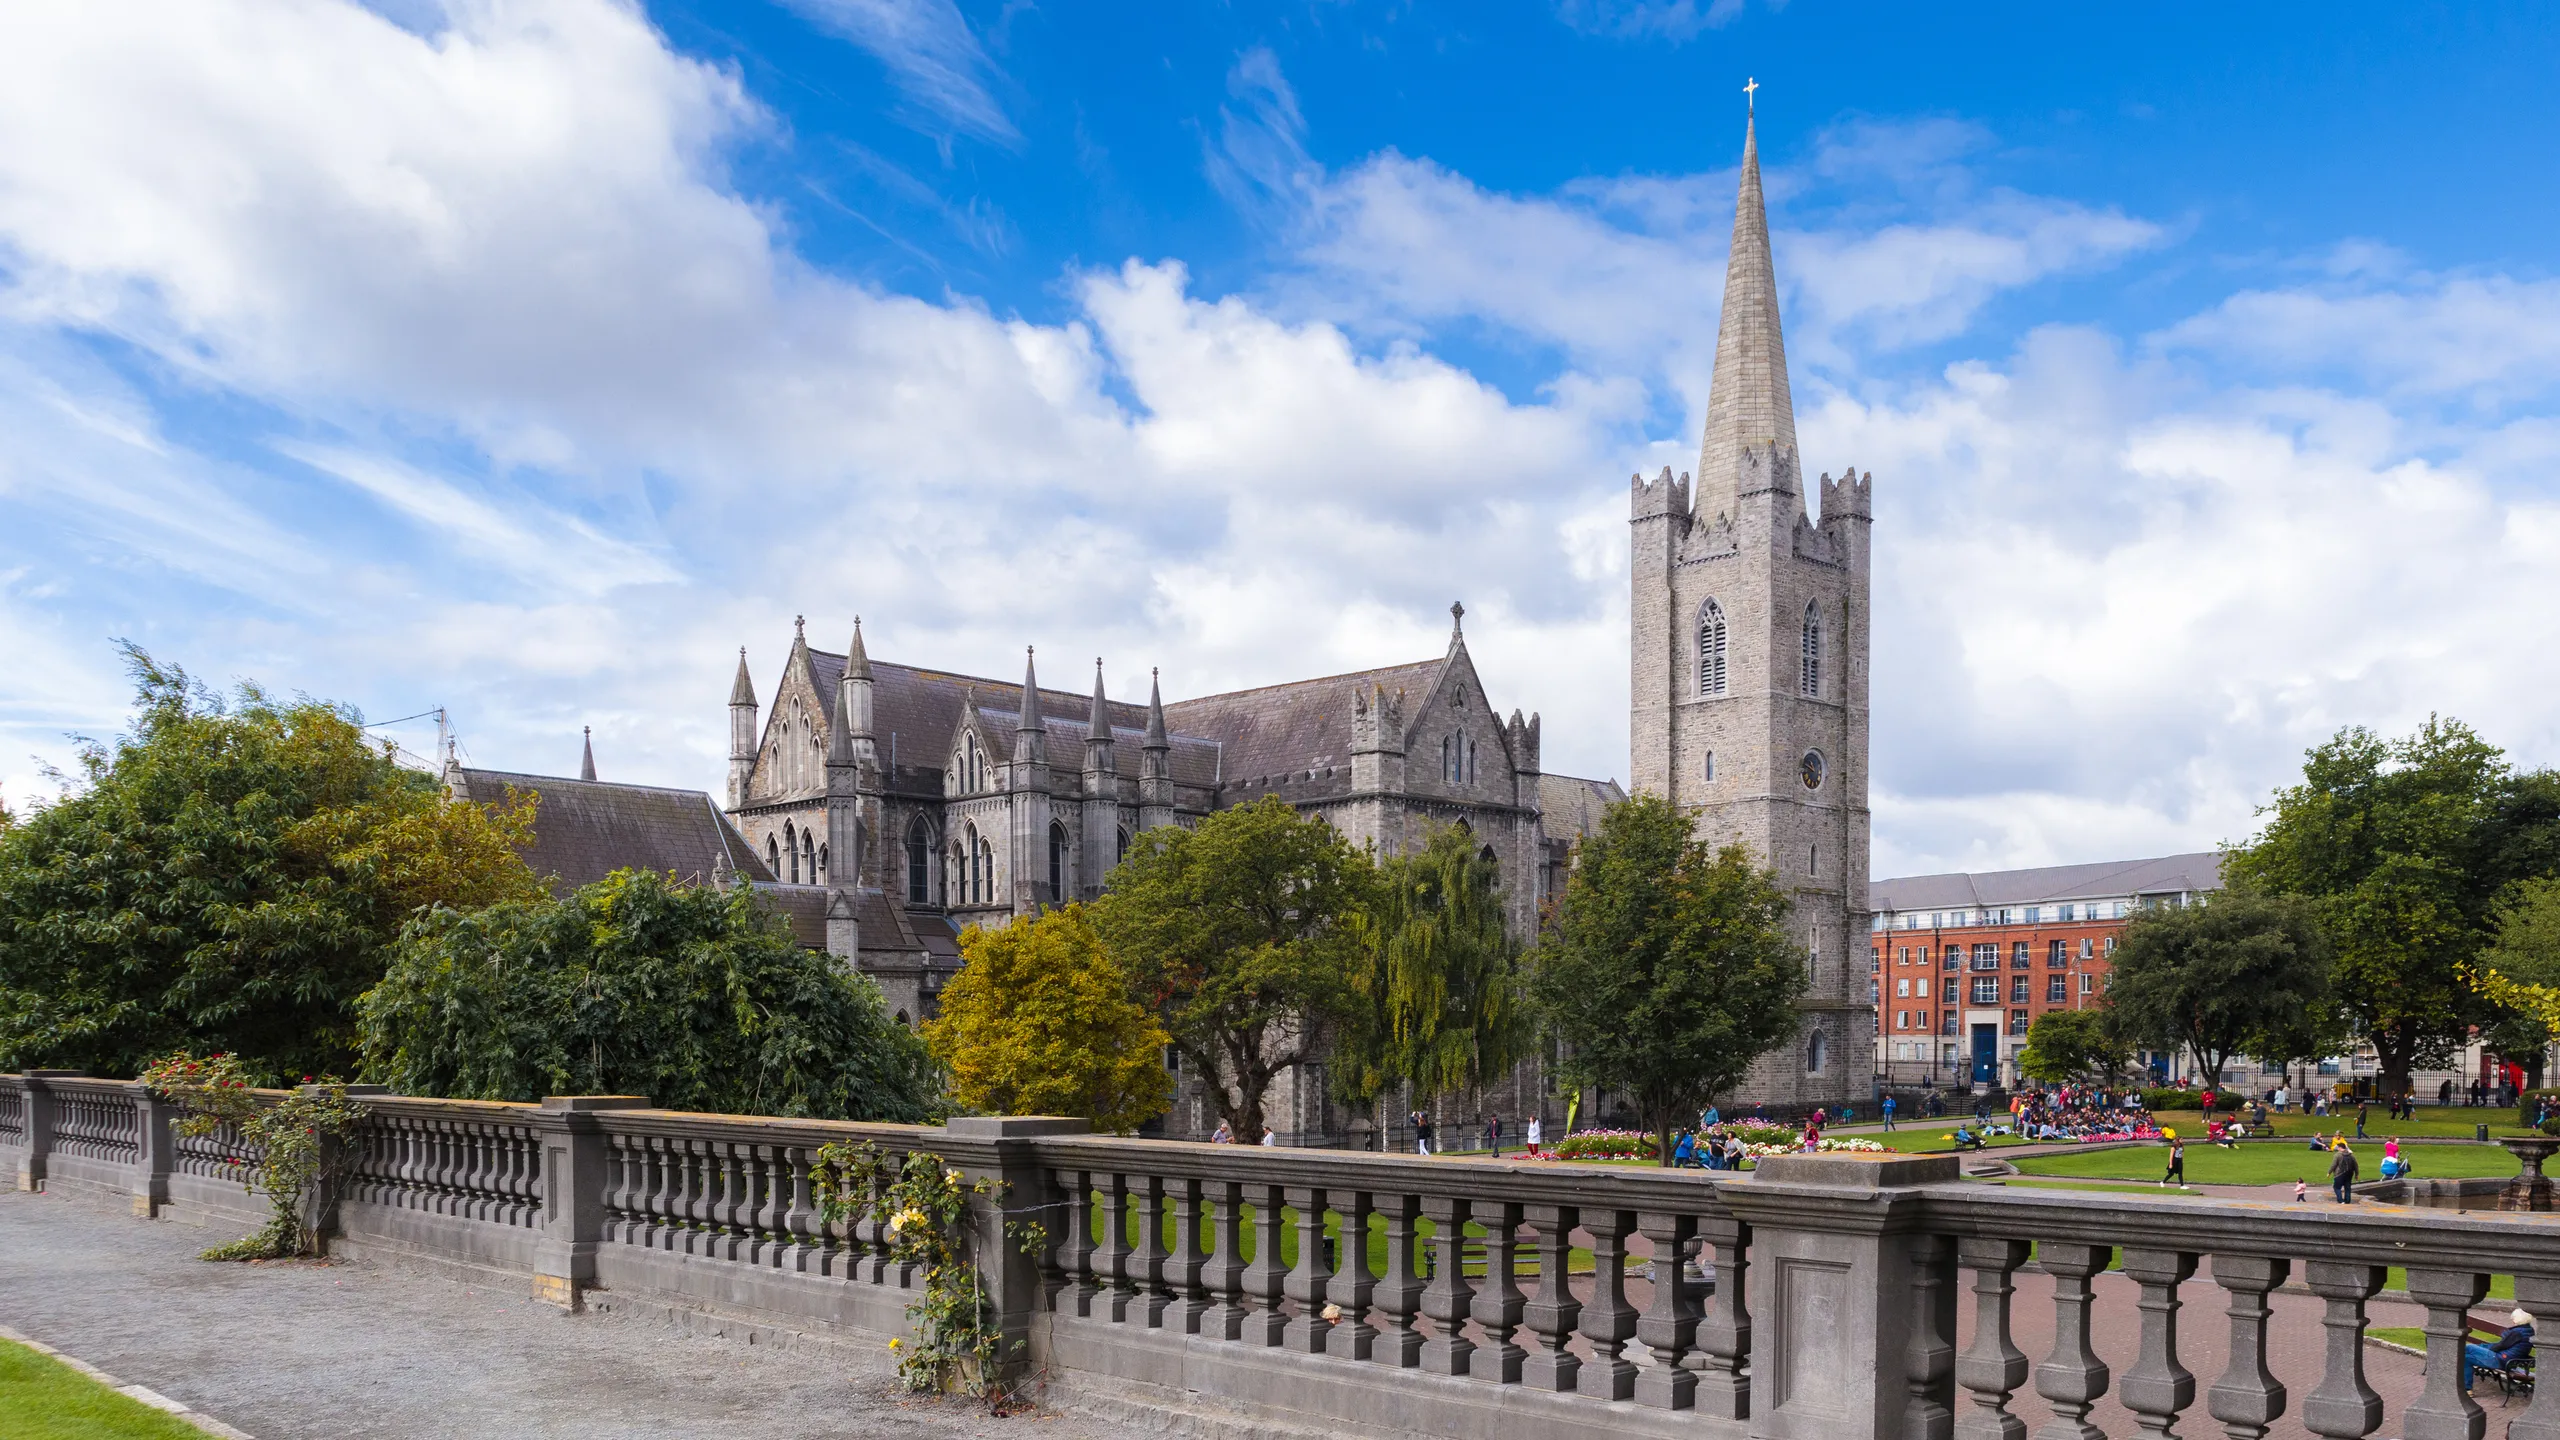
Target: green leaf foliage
(635,985)
(2404,847)
(2068,1045)
(2246,973)
(227,877)
(1441,1001)
(1671,969)
(1039,1021)
(1241,933)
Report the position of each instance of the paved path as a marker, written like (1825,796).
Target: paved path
(334,1352)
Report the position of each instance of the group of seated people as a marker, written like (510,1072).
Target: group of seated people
(2066,1115)
(1714,1148)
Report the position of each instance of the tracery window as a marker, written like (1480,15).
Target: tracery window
(808,857)
(773,856)
(1711,649)
(824,865)
(791,852)
(1057,861)
(919,863)
(1812,650)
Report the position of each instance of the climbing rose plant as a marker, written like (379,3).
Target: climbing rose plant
(299,1141)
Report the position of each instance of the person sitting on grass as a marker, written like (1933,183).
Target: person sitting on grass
(2514,1345)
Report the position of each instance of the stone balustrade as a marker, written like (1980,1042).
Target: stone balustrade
(1818,1298)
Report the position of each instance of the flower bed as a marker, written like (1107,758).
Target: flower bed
(1604,1145)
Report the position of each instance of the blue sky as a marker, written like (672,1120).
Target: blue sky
(528,358)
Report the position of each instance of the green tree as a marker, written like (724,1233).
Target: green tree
(228,877)
(1040,1021)
(699,1000)
(1241,934)
(1439,988)
(1670,970)
(2404,847)
(2067,1045)
(2525,951)
(2221,978)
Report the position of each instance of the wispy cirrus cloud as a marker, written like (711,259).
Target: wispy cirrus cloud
(1673,20)
(932,56)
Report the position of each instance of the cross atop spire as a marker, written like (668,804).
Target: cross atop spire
(1457,619)
(1750,101)
(1748,404)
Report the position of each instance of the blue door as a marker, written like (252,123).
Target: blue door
(1986,1054)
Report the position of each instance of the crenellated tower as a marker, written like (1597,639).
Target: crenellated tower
(1749,662)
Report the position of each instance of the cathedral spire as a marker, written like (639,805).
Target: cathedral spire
(857,661)
(743,690)
(1098,725)
(587,761)
(1155,712)
(1030,717)
(1748,405)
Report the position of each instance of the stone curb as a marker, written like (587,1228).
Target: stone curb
(145,1394)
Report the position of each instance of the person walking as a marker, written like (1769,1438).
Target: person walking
(1268,1138)
(1888,1112)
(2362,1110)
(2342,1173)
(1493,1134)
(2177,1164)
(1535,1134)
(1421,1132)
(1223,1135)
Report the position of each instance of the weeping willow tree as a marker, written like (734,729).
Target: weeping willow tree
(1438,986)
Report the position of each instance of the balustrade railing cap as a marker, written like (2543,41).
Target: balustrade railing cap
(316,1089)
(1015,1127)
(1854,1173)
(58,1075)
(595,1102)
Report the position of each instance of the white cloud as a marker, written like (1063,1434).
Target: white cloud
(2477,339)
(1673,20)
(931,53)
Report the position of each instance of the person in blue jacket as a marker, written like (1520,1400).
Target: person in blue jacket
(2514,1343)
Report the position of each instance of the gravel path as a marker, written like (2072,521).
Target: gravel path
(331,1352)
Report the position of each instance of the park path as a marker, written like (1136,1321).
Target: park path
(338,1351)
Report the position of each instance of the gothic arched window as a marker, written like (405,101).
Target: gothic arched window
(919,863)
(985,865)
(824,865)
(976,878)
(790,852)
(1123,852)
(1448,758)
(809,856)
(773,856)
(1816,1051)
(1057,861)
(1813,650)
(1711,649)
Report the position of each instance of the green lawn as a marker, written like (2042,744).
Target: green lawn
(2410,1336)
(43,1399)
(2271,1163)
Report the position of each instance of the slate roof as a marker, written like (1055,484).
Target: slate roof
(1286,730)
(885,925)
(2107,879)
(584,830)
(922,707)
(1569,806)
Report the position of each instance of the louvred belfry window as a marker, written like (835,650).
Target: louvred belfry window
(1711,649)
(1812,650)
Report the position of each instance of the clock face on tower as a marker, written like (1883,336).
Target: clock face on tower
(1812,770)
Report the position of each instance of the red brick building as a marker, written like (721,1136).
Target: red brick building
(1962,964)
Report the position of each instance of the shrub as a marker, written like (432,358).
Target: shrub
(2172,1098)
(1606,1145)
(300,1140)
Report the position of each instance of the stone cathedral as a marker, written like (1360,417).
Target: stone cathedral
(1749,663)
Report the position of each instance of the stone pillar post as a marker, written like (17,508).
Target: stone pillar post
(1833,1245)
(573,1161)
(41,1109)
(153,1117)
(1026,1193)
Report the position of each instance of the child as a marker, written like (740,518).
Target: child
(2301,1192)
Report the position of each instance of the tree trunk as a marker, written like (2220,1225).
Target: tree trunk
(1662,1141)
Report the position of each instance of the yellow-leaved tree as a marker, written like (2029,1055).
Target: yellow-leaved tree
(1040,1021)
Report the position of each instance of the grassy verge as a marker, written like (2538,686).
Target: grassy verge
(43,1399)
(2411,1336)
(2267,1164)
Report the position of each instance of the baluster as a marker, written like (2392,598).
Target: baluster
(907,1272)
(491,1178)
(1111,1262)
(1399,1291)
(1076,1255)
(2248,1396)
(805,1255)
(1146,1262)
(1185,1267)
(1265,1278)
(738,1201)
(1552,1314)
(2344,1407)
(1498,1301)
(771,1193)
(1670,1324)
(2538,1295)
(1445,1300)
(2443,1411)
(1226,1267)
(1352,1336)
(2072,1377)
(1608,1319)
(701,1175)
(404,1166)
(1306,1331)
(1995,1366)
(1723,1353)
(657,1194)
(2157,1388)
(870,1232)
